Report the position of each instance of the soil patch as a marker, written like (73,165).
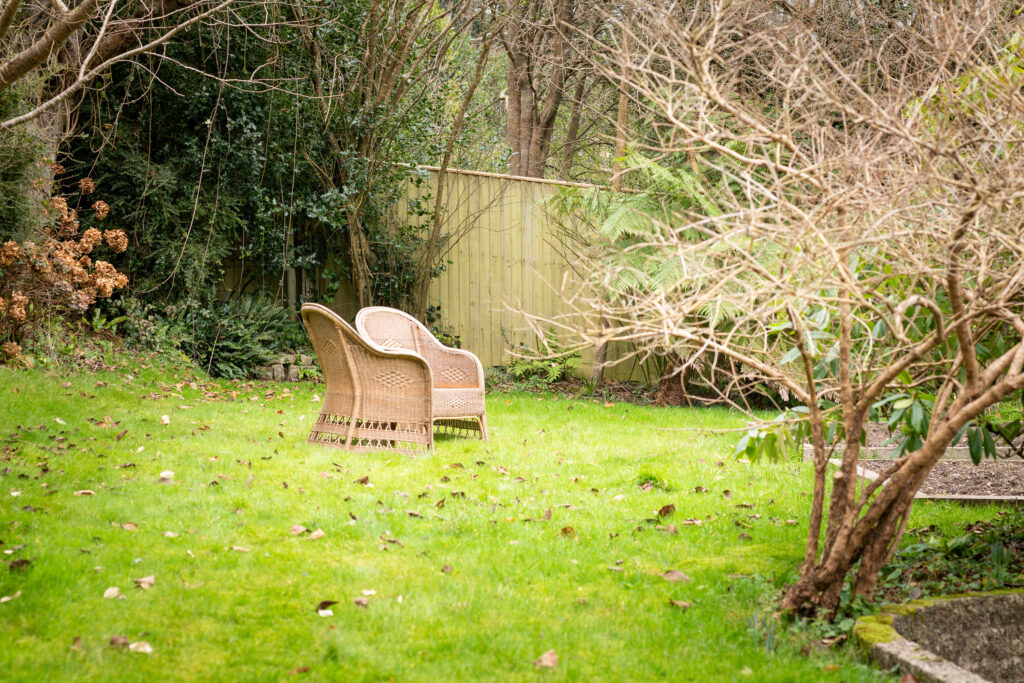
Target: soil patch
(964,478)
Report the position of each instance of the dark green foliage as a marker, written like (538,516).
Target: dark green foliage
(229,339)
(987,555)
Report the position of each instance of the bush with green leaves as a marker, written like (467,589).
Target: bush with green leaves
(230,338)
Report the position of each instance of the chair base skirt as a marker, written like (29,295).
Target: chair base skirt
(362,435)
(469,426)
(365,436)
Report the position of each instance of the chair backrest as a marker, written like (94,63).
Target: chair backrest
(338,347)
(391,328)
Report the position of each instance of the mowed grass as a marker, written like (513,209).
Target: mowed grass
(475,559)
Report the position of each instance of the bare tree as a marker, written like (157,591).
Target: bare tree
(541,63)
(66,49)
(854,186)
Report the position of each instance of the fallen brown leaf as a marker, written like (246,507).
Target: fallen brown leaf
(130,526)
(319,533)
(240,549)
(568,532)
(119,642)
(666,510)
(362,602)
(141,647)
(85,492)
(146,582)
(548,660)
(297,529)
(674,575)
(113,593)
(680,604)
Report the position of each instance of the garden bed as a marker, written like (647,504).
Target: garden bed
(964,478)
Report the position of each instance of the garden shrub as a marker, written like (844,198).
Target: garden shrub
(230,338)
(59,276)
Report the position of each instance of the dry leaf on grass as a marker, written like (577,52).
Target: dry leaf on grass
(170,534)
(362,602)
(165,420)
(666,510)
(118,642)
(319,533)
(680,604)
(130,526)
(146,582)
(297,529)
(548,660)
(240,549)
(85,492)
(568,532)
(674,575)
(141,647)
(13,596)
(113,593)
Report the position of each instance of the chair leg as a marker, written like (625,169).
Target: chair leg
(482,420)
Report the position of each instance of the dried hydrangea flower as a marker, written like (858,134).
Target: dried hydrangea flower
(87,185)
(116,240)
(11,349)
(9,253)
(101,208)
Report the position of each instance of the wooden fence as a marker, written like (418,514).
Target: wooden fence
(503,254)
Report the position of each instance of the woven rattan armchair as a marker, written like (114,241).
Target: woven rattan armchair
(458,376)
(376,399)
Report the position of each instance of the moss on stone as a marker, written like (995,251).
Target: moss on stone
(875,628)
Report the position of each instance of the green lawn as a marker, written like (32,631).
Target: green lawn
(475,560)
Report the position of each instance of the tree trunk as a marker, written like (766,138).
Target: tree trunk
(569,148)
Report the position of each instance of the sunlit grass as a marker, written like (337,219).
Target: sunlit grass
(475,559)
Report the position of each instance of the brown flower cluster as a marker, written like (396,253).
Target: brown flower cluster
(57,277)
(11,349)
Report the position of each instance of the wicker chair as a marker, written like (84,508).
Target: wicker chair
(376,399)
(458,395)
